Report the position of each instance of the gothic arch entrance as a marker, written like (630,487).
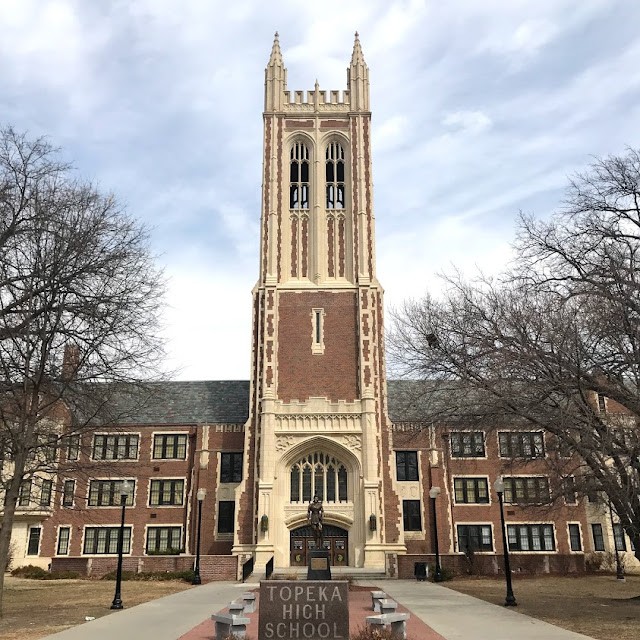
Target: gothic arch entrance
(336,542)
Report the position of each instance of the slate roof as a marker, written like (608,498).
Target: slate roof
(227,401)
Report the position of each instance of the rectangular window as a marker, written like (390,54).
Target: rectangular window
(474,537)
(531,537)
(64,533)
(104,540)
(34,541)
(166,493)
(170,446)
(317,331)
(575,540)
(25,493)
(45,493)
(467,444)
(618,537)
(526,490)
(116,447)
(407,465)
(569,490)
(521,444)
(226,514)
(231,467)
(51,447)
(73,447)
(471,490)
(68,490)
(164,540)
(412,518)
(106,493)
(598,537)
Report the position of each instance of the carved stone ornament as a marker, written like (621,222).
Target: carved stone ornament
(351,442)
(284,442)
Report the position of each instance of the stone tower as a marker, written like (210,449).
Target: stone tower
(317,419)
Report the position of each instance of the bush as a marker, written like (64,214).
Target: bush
(371,633)
(593,562)
(32,572)
(446,574)
(609,561)
(187,576)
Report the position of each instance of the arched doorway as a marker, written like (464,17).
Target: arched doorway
(336,542)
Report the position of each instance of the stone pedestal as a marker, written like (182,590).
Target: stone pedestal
(319,567)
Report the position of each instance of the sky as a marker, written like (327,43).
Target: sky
(481,109)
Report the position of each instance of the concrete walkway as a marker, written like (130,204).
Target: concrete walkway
(453,615)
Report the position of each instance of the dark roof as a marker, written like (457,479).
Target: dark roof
(227,401)
(212,401)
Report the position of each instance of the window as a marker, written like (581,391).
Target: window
(170,446)
(530,537)
(68,490)
(226,512)
(73,447)
(24,497)
(618,537)
(299,177)
(521,444)
(164,540)
(526,490)
(471,490)
(64,533)
(467,444)
(602,403)
(407,465)
(317,331)
(598,537)
(335,176)
(474,537)
(34,541)
(120,447)
(411,515)
(166,493)
(231,467)
(51,447)
(575,539)
(106,493)
(45,493)
(569,490)
(318,473)
(104,540)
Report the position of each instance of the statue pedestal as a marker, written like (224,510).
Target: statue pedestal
(319,567)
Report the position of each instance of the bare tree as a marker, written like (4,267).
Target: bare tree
(545,344)
(80,301)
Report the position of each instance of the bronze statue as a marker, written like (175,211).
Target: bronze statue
(314,516)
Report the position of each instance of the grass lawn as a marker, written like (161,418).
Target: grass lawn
(597,606)
(37,608)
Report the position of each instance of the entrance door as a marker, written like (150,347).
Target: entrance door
(336,542)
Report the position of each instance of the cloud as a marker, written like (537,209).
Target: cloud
(467,121)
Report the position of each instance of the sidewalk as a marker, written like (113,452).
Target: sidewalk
(452,615)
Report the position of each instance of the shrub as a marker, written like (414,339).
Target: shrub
(609,561)
(32,572)
(593,562)
(446,574)
(372,633)
(187,576)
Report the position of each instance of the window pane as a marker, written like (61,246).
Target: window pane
(295,484)
(598,538)
(34,541)
(574,537)
(63,541)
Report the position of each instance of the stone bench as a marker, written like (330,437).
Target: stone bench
(228,624)
(376,596)
(236,608)
(387,605)
(249,599)
(397,622)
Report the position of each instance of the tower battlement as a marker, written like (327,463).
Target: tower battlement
(316,100)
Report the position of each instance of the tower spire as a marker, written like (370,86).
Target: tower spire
(275,78)
(358,78)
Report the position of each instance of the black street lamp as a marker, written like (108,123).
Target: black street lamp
(202,492)
(434,492)
(619,568)
(510,600)
(126,488)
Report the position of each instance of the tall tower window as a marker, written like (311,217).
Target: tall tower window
(335,176)
(321,474)
(299,177)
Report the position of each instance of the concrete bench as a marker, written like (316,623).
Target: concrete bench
(397,622)
(228,624)
(236,608)
(387,605)
(376,596)
(249,599)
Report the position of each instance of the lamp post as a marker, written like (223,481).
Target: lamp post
(126,489)
(434,492)
(202,492)
(510,600)
(619,569)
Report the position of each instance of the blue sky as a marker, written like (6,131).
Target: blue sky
(481,108)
